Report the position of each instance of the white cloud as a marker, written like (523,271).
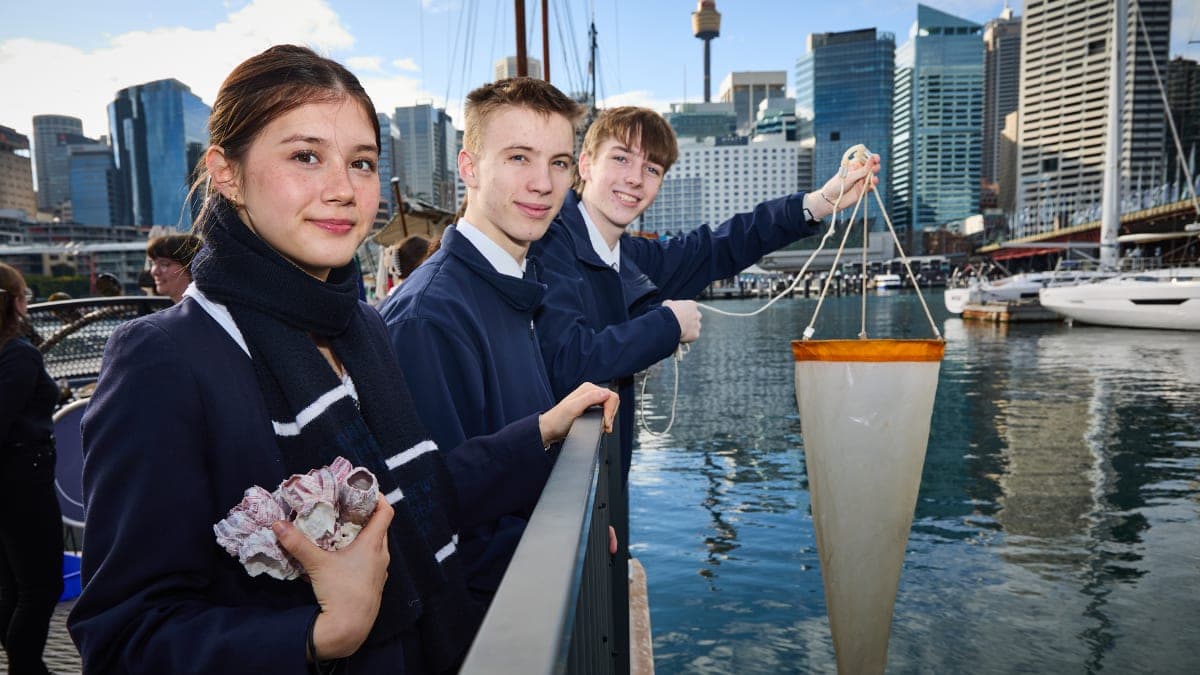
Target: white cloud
(387,92)
(360,63)
(59,79)
(406,65)
(643,98)
(439,6)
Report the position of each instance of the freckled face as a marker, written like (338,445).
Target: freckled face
(309,184)
(621,183)
(519,177)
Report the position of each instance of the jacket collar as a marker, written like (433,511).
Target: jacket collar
(524,295)
(635,285)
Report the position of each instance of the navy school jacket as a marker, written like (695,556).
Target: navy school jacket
(176,431)
(597,325)
(464,335)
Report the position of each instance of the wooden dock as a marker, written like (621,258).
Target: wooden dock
(1013,311)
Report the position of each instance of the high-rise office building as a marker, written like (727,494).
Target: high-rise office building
(1183,97)
(745,90)
(16,173)
(1001,89)
(776,116)
(96,196)
(389,148)
(848,85)
(702,120)
(507,67)
(1065,57)
(51,136)
(159,131)
(713,179)
(937,125)
(427,154)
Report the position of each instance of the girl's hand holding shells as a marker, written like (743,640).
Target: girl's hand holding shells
(348,583)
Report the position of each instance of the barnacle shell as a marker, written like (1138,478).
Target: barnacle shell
(357,495)
(261,552)
(346,532)
(328,505)
(341,467)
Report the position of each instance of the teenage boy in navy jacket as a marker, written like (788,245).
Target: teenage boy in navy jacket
(462,324)
(618,304)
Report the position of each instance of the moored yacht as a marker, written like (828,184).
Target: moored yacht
(1163,298)
(1016,287)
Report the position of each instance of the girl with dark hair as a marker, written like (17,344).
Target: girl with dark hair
(30,522)
(170,257)
(271,366)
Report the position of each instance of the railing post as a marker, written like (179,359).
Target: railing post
(618,497)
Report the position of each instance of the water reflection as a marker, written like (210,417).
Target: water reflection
(1056,529)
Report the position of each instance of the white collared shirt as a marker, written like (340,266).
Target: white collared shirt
(609,256)
(497,256)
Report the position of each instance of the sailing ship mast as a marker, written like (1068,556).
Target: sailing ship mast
(1110,205)
(522,58)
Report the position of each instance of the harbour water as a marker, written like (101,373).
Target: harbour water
(1057,528)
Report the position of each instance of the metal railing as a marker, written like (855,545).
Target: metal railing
(71,334)
(563,605)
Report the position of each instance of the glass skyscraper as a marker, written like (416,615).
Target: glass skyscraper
(51,135)
(850,96)
(159,132)
(95,185)
(426,154)
(937,130)
(389,142)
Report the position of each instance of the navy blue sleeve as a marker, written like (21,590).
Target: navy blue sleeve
(575,352)
(500,473)
(683,266)
(493,474)
(18,376)
(149,552)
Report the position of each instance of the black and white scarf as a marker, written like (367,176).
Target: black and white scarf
(279,309)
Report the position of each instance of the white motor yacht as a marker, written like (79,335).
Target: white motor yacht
(1162,298)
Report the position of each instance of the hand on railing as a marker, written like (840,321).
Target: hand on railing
(556,422)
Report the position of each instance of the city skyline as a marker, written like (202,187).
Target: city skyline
(72,59)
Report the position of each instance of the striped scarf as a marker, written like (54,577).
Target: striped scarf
(279,308)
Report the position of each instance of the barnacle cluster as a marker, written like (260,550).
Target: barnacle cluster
(328,505)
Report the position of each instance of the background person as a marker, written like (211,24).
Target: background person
(31,546)
(170,259)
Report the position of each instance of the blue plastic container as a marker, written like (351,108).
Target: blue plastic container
(71,581)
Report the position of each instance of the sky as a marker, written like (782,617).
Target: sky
(70,57)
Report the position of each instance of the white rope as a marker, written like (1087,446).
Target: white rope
(795,282)
(862,331)
(859,150)
(861,153)
(679,353)
(904,259)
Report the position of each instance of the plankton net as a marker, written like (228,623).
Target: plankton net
(865,408)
